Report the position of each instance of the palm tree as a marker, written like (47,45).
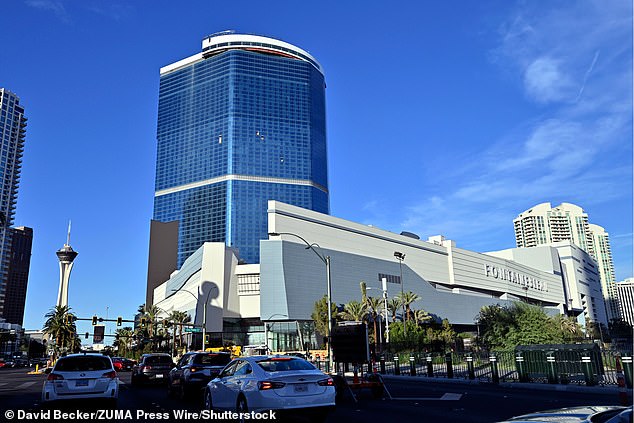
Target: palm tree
(150,313)
(60,325)
(354,310)
(569,327)
(178,318)
(394,305)
(406,299)
(421,316)
(123,340)
(373,305)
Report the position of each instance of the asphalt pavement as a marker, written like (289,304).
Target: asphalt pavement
(414,399)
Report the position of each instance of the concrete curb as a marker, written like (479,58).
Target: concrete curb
(512,385)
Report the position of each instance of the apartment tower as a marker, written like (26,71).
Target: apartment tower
(12,136)
(544,224)
(625,292)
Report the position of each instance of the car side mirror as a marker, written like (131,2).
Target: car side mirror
(48,370)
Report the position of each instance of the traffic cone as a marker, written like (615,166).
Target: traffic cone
(620,380)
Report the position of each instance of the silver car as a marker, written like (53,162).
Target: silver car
(584,414)
(82,376)
(262,383)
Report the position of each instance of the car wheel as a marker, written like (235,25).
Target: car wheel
(208,404)
(241,407)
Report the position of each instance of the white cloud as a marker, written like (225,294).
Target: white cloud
(545,81)
(50,5)
(573,66)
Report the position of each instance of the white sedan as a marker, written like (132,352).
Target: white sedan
(261,383)
(82,376)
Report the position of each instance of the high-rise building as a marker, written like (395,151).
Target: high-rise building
(603,256)
(18,274)
(543,224)
(625,293)
(12,134)
(240,123)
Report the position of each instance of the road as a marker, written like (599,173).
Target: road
(414,400)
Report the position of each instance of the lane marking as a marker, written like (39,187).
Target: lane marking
(23,385)
(445,397)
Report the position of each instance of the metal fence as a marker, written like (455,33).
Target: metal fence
(560,367)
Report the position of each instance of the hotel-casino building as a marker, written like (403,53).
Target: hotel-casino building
(240,123)
(452,283)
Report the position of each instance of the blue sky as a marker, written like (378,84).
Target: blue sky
(446,117)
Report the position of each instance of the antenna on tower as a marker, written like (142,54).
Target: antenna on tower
(68,238)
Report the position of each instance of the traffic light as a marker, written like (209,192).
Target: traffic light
(143,321)
(119,321)
(94,320)
(87,335)
(165,322)
(70,319)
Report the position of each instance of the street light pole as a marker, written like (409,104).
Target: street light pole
(400,257)
(387,316)
(326,260)
(329,299)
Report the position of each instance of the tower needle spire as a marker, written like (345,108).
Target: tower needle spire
(68,237)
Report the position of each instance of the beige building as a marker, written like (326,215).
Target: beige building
(545,225)
(625,293)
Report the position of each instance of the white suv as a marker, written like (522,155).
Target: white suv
(82,376)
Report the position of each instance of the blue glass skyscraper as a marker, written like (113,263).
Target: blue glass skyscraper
(240,123)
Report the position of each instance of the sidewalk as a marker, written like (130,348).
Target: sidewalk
(601,389)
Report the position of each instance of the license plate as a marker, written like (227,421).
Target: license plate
(159,376)
(81,383)
(301,388)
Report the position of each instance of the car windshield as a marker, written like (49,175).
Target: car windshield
(82,364)
(212,359)
(284,364)
(158,359)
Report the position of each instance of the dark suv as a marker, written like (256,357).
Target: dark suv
(194,370)
(152,368)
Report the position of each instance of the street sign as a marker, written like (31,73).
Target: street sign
(193,330)
(97,337)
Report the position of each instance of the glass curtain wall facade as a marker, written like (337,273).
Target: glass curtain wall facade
(238,125)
